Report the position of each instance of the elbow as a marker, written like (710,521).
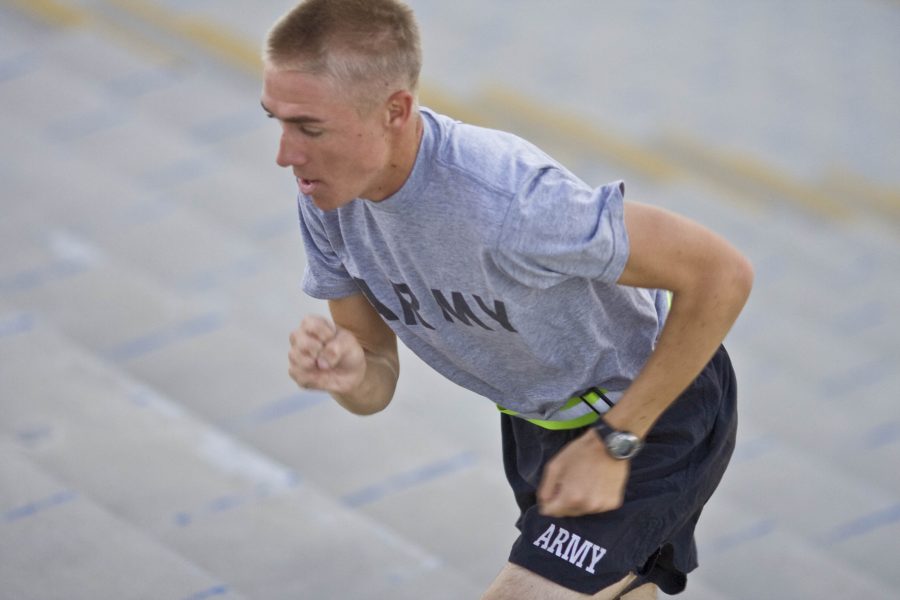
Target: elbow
(366,410)
(742,278)
(722,287)
(376,395)
(368,403)
(735,281)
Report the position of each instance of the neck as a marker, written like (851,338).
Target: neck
(402,161)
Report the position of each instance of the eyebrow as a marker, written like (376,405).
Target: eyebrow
(298,119)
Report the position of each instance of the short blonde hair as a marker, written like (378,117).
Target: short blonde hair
(367,47)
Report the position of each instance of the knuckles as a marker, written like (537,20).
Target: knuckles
(324,357)
(577,503)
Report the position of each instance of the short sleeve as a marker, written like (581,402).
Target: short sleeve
(325,277)
(559,228)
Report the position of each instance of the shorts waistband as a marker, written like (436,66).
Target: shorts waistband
(578,411)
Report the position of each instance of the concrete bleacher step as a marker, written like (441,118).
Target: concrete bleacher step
(151,254)
(750,554)
(58,543)
(143,318)
(118,188)
(780,509)
(145,305)
(239,384)
(222,505)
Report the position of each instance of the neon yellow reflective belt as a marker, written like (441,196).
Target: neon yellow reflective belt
(582,421)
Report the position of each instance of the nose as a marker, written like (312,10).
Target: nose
(290,153)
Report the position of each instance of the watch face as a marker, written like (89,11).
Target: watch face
(622,444)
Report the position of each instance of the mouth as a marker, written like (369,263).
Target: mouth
(307,186)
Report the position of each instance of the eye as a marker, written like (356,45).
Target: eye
(309,131)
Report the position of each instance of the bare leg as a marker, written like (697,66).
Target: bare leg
(517,583)
(645,592)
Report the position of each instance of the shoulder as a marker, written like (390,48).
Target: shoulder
(498,160)
(560,228)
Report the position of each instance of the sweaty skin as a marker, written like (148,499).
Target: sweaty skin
(710,283)
(338,155)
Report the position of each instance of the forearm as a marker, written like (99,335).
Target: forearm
(701,315)
(376,389)
(583,478)
(710,281)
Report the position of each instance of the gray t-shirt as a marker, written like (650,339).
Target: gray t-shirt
(496,266)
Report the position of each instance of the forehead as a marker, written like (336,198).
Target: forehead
(288,93)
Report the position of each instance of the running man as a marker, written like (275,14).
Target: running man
(513,278)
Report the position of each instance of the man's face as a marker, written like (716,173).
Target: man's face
(336,154)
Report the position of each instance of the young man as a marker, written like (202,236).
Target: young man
(513,278)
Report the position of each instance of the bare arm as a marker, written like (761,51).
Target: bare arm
(354,358)
(710,282)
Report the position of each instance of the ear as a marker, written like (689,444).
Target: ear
(399,109)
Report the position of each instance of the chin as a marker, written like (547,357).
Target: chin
(328,203)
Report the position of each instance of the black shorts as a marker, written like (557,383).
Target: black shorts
(672,478)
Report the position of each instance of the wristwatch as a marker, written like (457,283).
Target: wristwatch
(621,445)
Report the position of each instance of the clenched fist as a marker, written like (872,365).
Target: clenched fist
(325,357)
(582,479)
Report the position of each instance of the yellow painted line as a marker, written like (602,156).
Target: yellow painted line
(214,39)
(52,12)
(857,190)
(442,102)
(579,131)
(753,177)
(740,173)
(246,56)
(67,16)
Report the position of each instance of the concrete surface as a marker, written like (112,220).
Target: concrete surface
(151,443)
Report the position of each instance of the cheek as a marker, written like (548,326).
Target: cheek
(369,152)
